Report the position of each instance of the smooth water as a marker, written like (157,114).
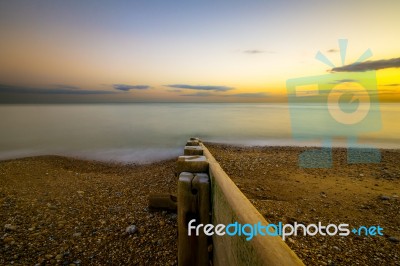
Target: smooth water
(143,132)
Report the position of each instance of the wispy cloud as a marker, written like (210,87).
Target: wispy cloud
(200,87)
(55,90)
(257,51)
(250,95)
(200,94)
(253,51)
(65,86)
(332,50)
(343,81)
(126,87)
(392,85)
(241,95)
(175,91)
(369,65)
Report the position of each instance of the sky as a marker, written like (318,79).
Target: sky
(193,51)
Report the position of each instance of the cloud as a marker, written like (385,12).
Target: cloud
(55,90)
(253,52)
(175,90)
(243,95)
(65,86)
(343,81)
(333,51)
(250,95)
(392,85)
(200,94)
(256,51)
(369,65)
(125,87)
(199,87)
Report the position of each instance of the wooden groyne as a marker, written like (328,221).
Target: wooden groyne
(208,195)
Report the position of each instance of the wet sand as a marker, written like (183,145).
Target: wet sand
(66,211)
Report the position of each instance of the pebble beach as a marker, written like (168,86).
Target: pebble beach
(63,211)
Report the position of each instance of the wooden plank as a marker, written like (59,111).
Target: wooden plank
(193,150)
(164,201)
(230,205)
(201,189)
(194,203)
(186,245)
(193,142)
(193,164)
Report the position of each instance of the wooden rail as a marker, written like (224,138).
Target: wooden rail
(230,205)
(203,186)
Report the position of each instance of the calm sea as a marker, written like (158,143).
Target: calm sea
(144,132)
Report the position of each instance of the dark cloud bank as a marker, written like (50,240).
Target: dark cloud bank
(55,90)
(199,87)
(126,87)
(369,65)
(240,95)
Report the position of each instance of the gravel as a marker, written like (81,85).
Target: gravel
(63,211)
(271,179)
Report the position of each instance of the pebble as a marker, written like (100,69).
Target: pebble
(131,229)
(394,239)
(8,239)
(10,227)
(382,197)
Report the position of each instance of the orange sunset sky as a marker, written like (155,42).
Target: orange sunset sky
(188,51)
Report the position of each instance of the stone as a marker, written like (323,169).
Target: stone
(131,229)
(383,197)
(393,239)
(8,240)
(10,227)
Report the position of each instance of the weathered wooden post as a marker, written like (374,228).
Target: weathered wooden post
(193,203)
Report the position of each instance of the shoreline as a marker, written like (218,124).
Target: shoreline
(155,154)
(69,210)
